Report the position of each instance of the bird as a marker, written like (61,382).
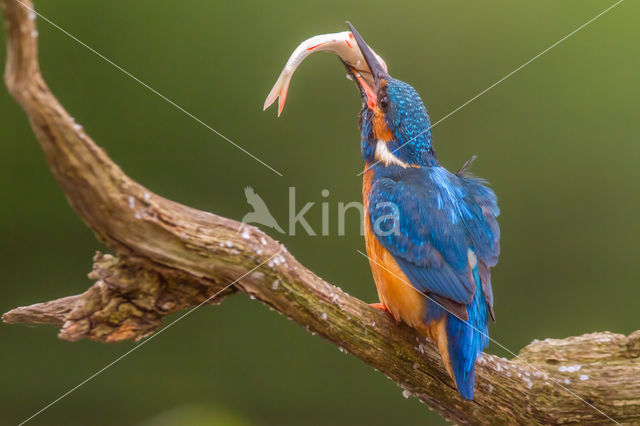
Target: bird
(260,214)
(431,235)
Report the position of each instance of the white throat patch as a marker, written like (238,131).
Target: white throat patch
(385,156)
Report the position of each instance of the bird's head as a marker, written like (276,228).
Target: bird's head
(394,125)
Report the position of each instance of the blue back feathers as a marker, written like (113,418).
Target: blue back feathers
(440,217)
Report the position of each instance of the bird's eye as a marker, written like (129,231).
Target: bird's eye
(384,103)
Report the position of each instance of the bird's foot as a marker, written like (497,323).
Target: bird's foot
(382,307)
(379,306)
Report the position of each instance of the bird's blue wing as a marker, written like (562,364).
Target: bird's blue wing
(438,226)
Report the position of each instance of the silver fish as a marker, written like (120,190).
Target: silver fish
(342,44)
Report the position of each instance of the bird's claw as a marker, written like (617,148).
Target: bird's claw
(379,306)
(382,307)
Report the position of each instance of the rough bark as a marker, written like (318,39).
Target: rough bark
(170,257)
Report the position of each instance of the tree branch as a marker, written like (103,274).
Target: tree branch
(171,257)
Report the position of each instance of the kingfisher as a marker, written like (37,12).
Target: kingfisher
(431,235)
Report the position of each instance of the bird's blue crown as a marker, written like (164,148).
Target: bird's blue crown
(408,133)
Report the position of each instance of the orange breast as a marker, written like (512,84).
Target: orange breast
(394,289)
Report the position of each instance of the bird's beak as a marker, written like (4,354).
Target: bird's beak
(378,71)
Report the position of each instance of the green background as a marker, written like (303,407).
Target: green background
(558,141)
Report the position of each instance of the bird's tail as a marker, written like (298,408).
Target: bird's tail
(466,340)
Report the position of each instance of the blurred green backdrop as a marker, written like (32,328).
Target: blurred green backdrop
(558,141)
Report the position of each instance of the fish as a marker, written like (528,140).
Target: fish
(342,44)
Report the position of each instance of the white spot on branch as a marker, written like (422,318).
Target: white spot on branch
(276,261)
(569,368)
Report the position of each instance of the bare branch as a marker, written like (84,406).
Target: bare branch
(171,257)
